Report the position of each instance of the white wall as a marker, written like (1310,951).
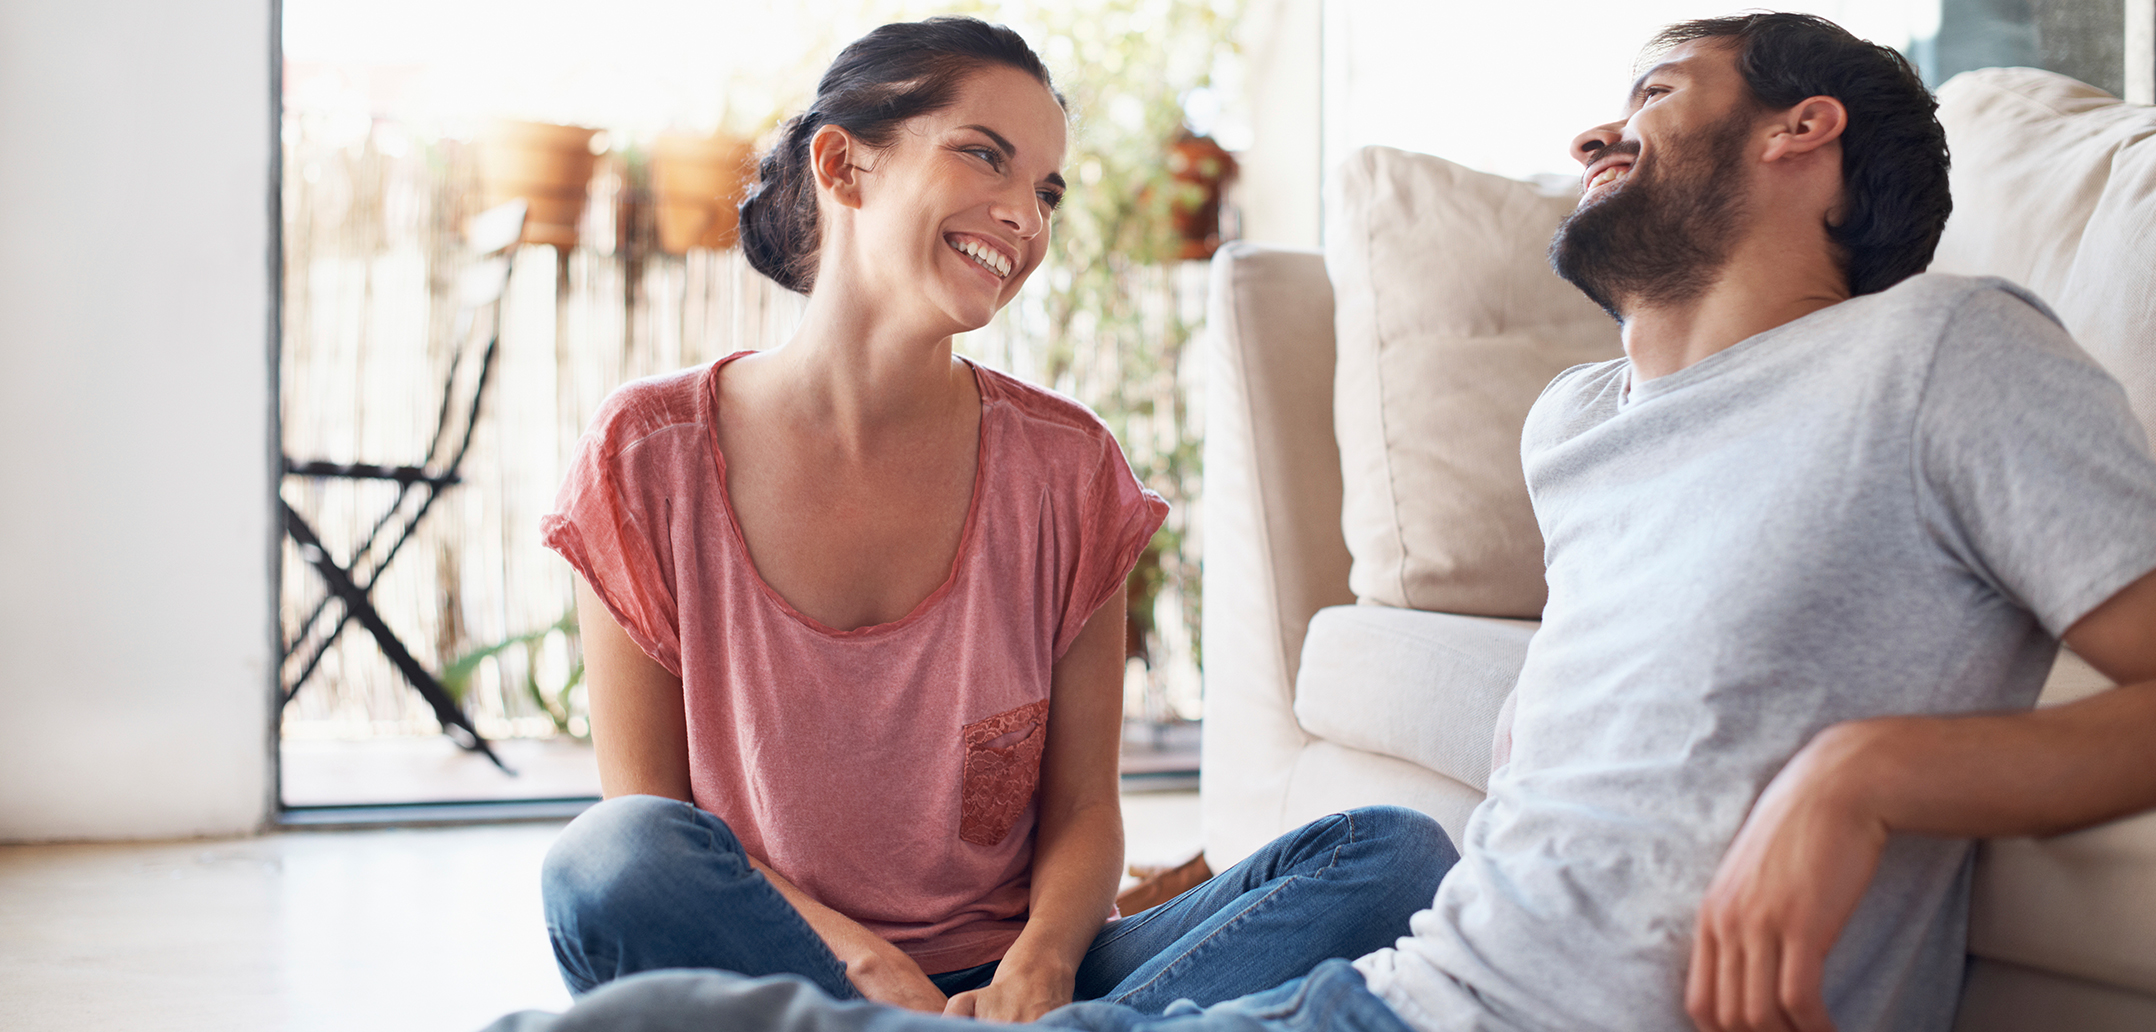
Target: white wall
(1277,188)
(134,390)
(1504,87)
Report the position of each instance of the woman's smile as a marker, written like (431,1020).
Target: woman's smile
(989,256)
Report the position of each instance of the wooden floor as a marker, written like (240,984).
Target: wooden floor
(412,930)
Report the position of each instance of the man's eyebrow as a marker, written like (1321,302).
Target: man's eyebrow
(1010,150)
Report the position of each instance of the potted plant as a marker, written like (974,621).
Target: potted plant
(697,182)
(549,166)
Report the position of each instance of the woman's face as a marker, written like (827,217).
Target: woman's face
(954,214)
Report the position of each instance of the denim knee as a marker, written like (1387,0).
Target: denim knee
(610,855)
(1415,848)
(1412,830)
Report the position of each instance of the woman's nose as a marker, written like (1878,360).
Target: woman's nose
(1587,146)
(1022,212)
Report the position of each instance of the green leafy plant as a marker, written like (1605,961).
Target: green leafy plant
(456,677)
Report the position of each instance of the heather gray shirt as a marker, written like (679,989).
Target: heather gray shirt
(1890,506)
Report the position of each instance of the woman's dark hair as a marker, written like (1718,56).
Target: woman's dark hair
(878,82)
(1894,158)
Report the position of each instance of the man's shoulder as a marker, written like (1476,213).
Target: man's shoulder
(1591,392)
(1947,297)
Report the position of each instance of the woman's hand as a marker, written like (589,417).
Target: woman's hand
(1018,993)
(885,974)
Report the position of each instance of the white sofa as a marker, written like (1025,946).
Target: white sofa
(1367,603)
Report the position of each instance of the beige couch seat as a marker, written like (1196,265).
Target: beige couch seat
(1372,565)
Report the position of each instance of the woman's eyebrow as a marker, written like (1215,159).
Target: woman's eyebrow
(1010,150)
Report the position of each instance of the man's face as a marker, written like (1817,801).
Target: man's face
(1664,187)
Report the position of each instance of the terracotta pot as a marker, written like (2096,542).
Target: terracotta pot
(698,181)
(1201,170)
(547,165)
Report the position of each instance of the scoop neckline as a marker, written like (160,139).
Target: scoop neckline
(966,534)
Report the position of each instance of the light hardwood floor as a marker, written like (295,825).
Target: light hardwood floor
(411,930)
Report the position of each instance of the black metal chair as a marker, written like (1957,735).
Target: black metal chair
(492,239)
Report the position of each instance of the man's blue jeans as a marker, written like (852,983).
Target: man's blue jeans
(640,883)
(1331,999)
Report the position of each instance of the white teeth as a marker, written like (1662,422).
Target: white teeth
(987,257)
(1607,175)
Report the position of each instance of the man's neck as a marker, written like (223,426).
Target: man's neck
(1770,279)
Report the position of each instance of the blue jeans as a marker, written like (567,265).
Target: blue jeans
(1331,999)
(640,883)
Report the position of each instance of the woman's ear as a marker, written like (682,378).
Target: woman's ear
(1811,124)
(833,153)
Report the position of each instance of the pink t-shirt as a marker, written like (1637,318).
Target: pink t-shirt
(889,771)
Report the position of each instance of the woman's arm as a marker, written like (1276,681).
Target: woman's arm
(640,732)
(1078,847)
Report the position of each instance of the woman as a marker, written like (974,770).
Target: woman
(853,613)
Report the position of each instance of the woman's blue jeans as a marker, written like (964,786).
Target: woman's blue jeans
(641,883)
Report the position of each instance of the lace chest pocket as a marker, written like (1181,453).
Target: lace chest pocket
(1003,768)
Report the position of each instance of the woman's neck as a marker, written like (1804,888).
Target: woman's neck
(849,369)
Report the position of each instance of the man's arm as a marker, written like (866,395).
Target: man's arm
(1795,871)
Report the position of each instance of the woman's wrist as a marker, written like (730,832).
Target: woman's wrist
(1037,962)
(866,953)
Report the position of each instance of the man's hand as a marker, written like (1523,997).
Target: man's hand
(885,974)
(1015,995)
(1798,867)
(1783,892)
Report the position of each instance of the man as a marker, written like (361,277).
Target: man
(1811,546)
(1821,507)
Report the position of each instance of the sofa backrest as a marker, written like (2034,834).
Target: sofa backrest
(1449,323)
(2055,188)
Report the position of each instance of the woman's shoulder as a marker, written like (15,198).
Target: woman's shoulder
(640,410)
(1042,412)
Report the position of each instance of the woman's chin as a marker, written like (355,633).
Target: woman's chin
(970,314)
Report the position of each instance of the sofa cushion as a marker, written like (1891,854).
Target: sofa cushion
(2078,904)
(1449,323)
(2055,188)
(1421,687)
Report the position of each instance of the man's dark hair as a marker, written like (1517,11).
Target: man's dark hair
(1894,159)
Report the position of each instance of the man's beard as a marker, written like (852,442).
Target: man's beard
(1661,235)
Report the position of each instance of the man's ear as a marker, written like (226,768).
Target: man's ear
(1811,124)
(834,155)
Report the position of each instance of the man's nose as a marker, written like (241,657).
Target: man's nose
(1588,146)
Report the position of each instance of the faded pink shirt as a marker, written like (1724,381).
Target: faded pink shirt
(889,771)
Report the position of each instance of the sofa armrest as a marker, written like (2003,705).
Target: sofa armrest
(1274,552)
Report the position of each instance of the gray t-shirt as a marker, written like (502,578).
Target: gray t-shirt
(1890,506)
